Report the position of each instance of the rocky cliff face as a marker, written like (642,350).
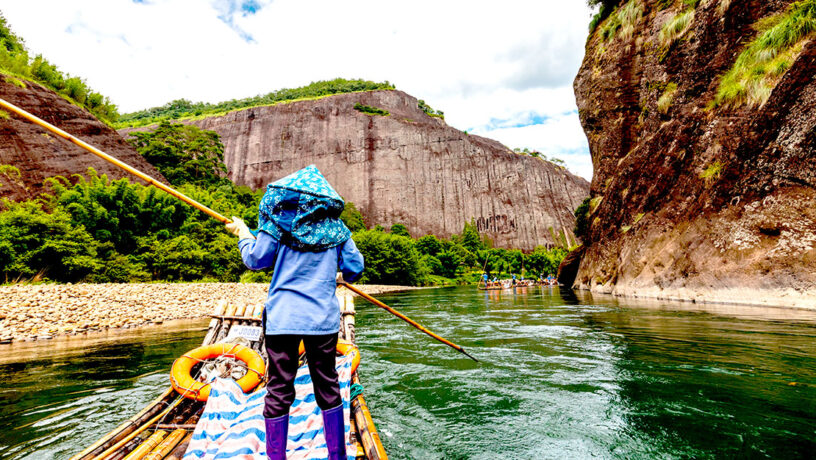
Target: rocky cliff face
(406,167)
(693,199)
(39,155)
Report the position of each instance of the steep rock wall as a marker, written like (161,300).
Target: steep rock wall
(39,154)
(692,201)
(404,168)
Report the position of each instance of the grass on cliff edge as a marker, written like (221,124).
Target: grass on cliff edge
(666,99)
(676,27)
(765,60)
(184,109)
(622,21)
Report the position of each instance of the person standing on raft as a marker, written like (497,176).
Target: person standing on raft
(301,235)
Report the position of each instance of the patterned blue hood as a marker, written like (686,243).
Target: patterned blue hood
(302,211)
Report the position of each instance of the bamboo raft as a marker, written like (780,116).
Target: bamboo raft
(163,429)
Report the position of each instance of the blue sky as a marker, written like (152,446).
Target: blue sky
(499,69)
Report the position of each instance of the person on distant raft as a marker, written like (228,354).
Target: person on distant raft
(514,279)
(484,277)
(301,235)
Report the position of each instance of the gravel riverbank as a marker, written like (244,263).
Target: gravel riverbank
(41,312)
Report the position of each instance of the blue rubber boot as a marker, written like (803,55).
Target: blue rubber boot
(276,434)
(334,429)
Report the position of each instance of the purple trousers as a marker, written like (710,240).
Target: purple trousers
(283,365)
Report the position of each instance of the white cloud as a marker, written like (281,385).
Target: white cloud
(475,60)
(559,136)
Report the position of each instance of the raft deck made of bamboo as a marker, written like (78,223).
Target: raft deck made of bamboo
(163,429)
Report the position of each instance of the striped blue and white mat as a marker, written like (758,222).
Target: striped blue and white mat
(232,425)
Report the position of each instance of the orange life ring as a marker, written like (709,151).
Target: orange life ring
(344,347)
(190,388)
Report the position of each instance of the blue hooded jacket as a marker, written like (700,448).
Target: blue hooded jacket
(301,235)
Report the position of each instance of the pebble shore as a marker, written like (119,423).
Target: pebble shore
(43,311)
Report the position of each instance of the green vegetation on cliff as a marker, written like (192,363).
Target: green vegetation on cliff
(16,62)
(11,174)
(622,21)
(667,98)
(183,108)
(581,230)
(369,110)
(430,111)
(676,27)
(605,9)
(536,154)
(352,217)
(765,60)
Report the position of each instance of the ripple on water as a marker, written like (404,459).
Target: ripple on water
(558,379)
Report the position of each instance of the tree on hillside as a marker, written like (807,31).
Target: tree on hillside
(15,62)
(401,230)
(605,9)
(429,245)
(390,259)
(184,154)
(8,39)
(581,229)
(470,238)
(36,243)
(184,108)
(352,218)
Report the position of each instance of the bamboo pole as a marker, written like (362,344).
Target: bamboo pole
(167,445)
(407,320)
(172,440)
(369,443)
(125,428)
(367,430)
(138,431)
(148,445)
(114,161)
(213,330)
(126,449)
(181,448)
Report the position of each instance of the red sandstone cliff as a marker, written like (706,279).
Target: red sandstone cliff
(406,167)
(694,201)
(39,155)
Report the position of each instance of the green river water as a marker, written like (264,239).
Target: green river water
(561,377)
